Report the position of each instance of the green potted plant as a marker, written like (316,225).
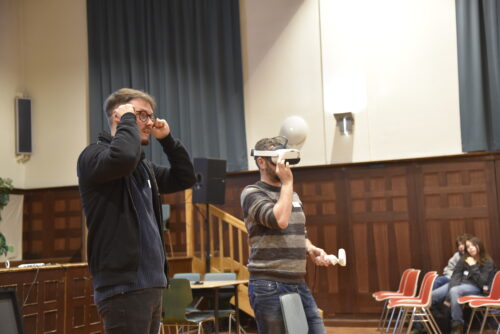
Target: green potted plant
(5,190)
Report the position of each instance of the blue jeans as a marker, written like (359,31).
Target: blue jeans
(265,301)
(464,289)
(440,281)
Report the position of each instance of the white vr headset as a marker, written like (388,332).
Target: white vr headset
(290,155)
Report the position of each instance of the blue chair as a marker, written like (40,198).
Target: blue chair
(294,315)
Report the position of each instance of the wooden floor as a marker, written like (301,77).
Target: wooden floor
(350,330)
(345,330)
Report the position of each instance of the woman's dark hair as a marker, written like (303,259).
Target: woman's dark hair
(483,254)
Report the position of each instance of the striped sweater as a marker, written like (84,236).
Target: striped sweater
(275,254)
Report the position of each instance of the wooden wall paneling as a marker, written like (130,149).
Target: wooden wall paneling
(495,226)
(234,186)
(52,224)
(317,188)
(457,198)
(81,312)
(41,298)
(378,198)
(176,222)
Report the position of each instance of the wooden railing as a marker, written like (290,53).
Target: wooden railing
(228,249)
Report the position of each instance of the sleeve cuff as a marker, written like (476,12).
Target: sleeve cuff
(128,116)
(167,142)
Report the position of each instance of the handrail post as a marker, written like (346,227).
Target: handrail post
(189,222)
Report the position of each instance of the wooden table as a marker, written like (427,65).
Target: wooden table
(215,286)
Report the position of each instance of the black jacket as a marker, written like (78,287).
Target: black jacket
(478,275)
(104,171)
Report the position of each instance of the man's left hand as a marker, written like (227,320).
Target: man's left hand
(160,129)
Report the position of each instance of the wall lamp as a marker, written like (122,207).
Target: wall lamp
(345,122)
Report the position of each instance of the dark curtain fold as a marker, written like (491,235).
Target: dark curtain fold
(478,33)
(187,54)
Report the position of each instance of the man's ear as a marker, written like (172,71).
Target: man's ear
(261,162)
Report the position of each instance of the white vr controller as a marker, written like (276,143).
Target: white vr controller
(341,259)
(290,155)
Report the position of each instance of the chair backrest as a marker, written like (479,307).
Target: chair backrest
(404,277)
(495,286)
(219,277)
(293,314)
(176,297)
(410,288)
(425,293)
(193,277)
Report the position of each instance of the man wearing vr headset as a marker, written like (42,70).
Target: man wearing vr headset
(278,239)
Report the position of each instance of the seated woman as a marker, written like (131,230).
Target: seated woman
(469,277)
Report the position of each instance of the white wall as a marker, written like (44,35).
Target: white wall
(10,78)
(402,58)
(404,50)
(282,71)
(299,57)
(52,68)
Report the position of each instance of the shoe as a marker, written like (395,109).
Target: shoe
(457,328)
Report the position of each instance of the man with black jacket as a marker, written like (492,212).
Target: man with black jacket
(120,192)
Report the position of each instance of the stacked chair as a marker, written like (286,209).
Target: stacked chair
(417,308)
(488,306)
(407,288)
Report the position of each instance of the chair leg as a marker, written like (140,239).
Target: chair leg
(412,319)
(434,322)
(383,317)
(471,320)
(400,326)
(397,320)
(390,320)
(484,319)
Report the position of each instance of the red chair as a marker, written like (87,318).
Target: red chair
(489,306)
(407,288)
(493,297)
(418,307)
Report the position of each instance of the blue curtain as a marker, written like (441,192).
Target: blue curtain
(187,54)
(478,37)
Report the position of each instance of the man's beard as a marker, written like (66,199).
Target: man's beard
(271,172)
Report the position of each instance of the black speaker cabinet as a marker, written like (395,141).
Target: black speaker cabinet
(211,181)
(23,126)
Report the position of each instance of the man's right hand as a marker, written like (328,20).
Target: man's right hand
(121,110)
(284,172)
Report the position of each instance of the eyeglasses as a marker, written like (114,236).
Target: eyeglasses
(143,116)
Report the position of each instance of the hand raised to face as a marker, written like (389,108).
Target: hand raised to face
(470,261)
(284,172)
(160,129)
(121,110)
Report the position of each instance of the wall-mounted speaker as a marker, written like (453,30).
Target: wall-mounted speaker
(23,126)
(210,186)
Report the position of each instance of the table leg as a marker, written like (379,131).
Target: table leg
(216,309)
(237,310)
